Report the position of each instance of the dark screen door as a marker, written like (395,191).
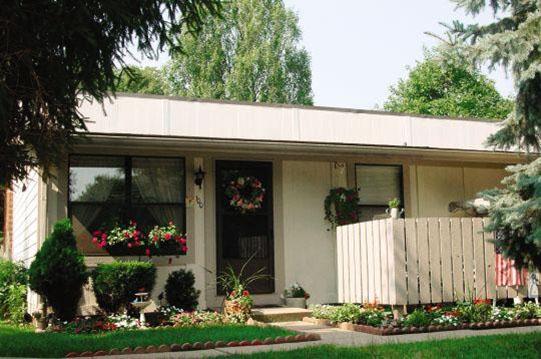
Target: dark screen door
(244,235)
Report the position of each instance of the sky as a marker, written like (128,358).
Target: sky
(359,48)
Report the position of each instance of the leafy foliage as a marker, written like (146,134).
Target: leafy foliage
(515,214)
(445,85)
(13,281)
(180,290)
(115,284)
(58,272)
(147,80)
(56,52)
(513,40)
(250,53)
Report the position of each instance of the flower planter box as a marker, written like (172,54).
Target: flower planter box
(172,248)
(431,328)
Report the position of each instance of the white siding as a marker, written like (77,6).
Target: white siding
(26,225)
(176,117)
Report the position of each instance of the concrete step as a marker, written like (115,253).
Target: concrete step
(279,314)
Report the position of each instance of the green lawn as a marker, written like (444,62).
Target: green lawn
(495,346)
(24,342)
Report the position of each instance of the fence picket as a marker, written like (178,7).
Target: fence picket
(479,258)
(364,262)
(384,261)
(446,259)
(377,261)
(357,256)
(490,262)
(371,262)
(412,261)
(424,264)
(340,263)
(398,253)
(351,261)
(434,260)
(467,247)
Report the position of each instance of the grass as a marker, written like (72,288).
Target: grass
(24,342)
(494,346)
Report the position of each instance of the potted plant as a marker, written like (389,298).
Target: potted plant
(394,211)
(238,300)
(295,296)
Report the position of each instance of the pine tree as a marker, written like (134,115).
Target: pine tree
(514,41)
(250,53)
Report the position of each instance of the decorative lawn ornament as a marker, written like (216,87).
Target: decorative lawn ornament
(341,206)
(245,194)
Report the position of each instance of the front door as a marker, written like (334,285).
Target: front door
(244,220)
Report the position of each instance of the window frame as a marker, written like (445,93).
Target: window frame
(400,179)
(127,205)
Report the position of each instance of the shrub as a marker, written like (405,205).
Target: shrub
(346,313)
(417,318)
(474,312)
(323,311)
(180,291)
(13,281)
(115,284)
(58,272)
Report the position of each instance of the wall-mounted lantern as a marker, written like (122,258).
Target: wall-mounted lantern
(199,176)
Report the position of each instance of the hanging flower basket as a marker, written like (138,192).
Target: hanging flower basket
(165,240)
(245,194)
(342,206)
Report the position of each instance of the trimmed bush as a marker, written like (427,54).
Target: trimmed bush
(115,284)
(13,282)
(180,291)
(58,272)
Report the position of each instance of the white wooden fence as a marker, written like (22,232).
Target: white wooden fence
(417,260)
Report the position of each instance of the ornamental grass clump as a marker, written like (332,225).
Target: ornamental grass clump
(58,272)
(116,283)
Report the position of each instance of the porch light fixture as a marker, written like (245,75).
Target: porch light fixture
(199,176)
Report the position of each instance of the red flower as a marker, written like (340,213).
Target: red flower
(104,236)
(183,241)
(129,245)
(94,240)
(167,236)
(96,233)
(184,249)
(232,294)
(126,234)
(171,223)
(245,293)
(147,252)
(155,238)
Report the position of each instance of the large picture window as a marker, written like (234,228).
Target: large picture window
(107,190)
(377,184)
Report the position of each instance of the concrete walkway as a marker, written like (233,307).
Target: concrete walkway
(335,336)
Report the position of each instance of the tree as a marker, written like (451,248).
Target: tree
(443,84)
(250,53)
(54,53)
(147,80)
(513,40)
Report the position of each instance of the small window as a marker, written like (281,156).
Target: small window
(105,191)
(377,185)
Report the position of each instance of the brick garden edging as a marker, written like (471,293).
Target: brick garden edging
(431,328)
(197,346)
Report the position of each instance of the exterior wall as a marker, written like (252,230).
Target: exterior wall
(6,245)
(28,215)
(309,248)
(435,186)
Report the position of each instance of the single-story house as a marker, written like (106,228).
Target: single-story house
(143,153)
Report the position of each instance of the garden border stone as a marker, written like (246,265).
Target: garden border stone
(163,348)
(432,328)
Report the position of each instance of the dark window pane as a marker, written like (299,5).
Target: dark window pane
(97,179)
(158,180)
(378,184)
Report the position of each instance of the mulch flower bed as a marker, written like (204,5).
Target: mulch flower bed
(431,328)
(301,337)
